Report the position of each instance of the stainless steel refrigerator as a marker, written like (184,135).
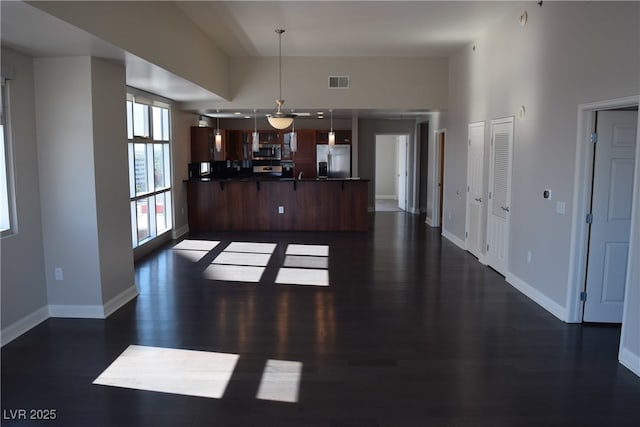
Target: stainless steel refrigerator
(338,160)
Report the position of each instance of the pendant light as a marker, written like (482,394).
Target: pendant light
(332,134)
(280,120)
(255,141)
(218,135)
(293,142)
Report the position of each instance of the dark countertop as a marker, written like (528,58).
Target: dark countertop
(273,179)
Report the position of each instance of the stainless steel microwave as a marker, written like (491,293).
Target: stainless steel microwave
(268,152)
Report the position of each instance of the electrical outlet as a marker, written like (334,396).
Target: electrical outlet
(280,209)
(560,208)
(528,257)
(58,273)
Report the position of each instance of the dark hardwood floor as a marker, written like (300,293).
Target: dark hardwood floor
(411,331)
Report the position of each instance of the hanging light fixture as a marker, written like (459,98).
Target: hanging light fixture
(255,141)
(332,134)
(280,120)
(218,135)
(293,142)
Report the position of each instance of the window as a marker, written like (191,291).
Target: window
(149,168)
(7,225)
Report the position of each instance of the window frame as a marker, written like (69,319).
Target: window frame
(152,193)
(9,161)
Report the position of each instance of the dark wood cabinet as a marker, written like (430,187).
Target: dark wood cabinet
(239,145)
(342,137)
(253,205)
(305,157)
(203,146)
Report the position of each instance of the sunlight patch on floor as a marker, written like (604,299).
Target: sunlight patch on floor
(234,273)
(280,381)
(191,255)
(196,245)
(316,250)
(306,261)
(185,372)
(252,247)
(243,258)
(303,276)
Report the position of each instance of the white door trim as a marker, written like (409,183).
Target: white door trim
(492,252)
(582,199)
(434,164)
(480,252)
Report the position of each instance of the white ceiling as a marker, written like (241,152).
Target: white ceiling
(247,28)
(344,28)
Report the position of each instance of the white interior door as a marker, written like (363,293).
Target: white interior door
(475,166)
(611,210)
(402,172)
(499,194)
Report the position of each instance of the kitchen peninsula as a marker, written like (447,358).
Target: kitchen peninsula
(294,191)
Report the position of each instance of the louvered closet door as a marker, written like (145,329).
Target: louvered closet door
(475,168)
(499,194)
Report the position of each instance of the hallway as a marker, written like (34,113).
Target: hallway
(407,330)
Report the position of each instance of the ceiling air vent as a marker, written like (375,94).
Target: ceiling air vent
(338,82)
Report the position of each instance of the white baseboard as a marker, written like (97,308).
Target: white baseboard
(630,360)
(119,300)
(428,221)
(414,211)
(453,239)
(77,311)
(386,197)
(94,311)
(23,325)
(538,297)
(178,233)
(482,259)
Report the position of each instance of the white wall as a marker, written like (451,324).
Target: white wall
(23,292)
(67,180)
(367,131)
(111,170)
(569,53)
(162,34)
(437,122)
(84,188)
(386,167)
(380,83)
(630,338)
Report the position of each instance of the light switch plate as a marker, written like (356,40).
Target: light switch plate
(560,208)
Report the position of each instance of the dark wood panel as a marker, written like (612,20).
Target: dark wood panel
(254,205)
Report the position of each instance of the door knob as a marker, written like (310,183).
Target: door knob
(478,199)
(504,209)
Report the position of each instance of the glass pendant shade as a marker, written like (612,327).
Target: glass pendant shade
(255,141)
(218,141)
(332,138)
(294,141)
(280,121)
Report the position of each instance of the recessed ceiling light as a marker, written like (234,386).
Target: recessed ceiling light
(237,113)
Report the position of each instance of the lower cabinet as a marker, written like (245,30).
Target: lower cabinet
(254,205)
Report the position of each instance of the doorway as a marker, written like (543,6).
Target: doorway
(391,174)
(436,189)
(475,189)
(618,203)
(609,221)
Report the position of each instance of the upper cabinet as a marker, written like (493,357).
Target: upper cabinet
(342,137)
(239,145)
(203,145)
